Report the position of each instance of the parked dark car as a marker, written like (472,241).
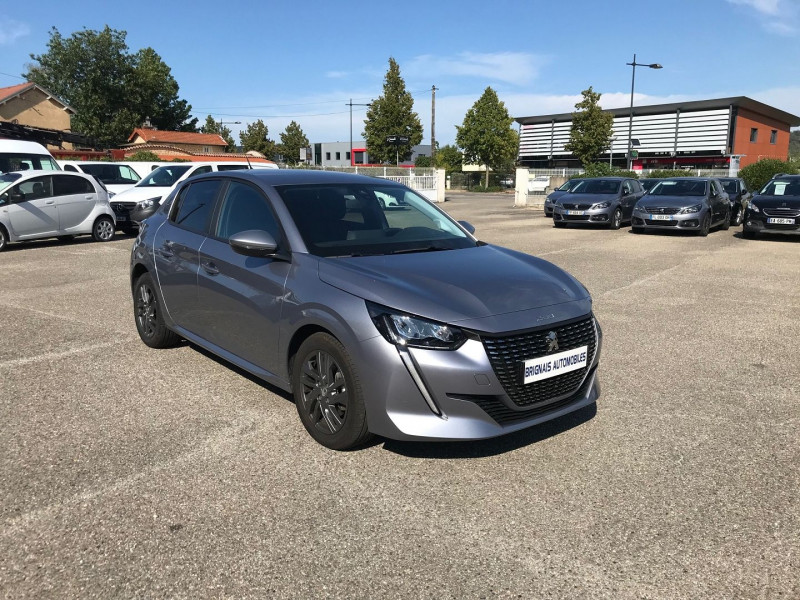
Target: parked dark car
(687,203)
(379,321)
(649,183)
(557,193)
(774,209)
(739,196)
(605,201)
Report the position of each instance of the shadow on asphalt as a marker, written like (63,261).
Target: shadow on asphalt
(494,446)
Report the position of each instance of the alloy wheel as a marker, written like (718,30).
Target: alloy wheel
(104,229)
(325,394)
(146,310)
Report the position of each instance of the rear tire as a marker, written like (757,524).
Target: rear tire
(147,312)
(328,395)
(738,217)
(726,223)
(103,229)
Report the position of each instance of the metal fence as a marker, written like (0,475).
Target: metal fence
(416,178)
(643,173)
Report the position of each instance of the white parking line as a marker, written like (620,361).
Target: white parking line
(49,356)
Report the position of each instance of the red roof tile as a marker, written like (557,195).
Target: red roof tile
(178,137)
(8,92)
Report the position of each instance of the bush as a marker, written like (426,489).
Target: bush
(144,156)
(759,173)
(604,170)
(491,188)
(666,173)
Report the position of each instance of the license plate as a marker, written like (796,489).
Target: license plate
(121,219)
(575,212)
(661,217)
(545,367)
(778,221)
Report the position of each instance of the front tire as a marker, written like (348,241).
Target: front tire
(328,395)
(637,229)
(103,229)
(148,314)
(726,223)
(705,227)
(749,235)
(3,238)
(559,224)
(738,217)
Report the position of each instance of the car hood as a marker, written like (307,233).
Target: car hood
(593,198)
(137,194)
(455,286)
(670,201)
(776,201)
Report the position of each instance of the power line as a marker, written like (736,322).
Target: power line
(204,108)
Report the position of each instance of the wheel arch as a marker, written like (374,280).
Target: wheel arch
(300,336)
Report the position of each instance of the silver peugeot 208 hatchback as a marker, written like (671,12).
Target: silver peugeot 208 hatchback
(371,305)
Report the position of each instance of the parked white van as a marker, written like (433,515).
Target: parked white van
(18,155)
(117,177)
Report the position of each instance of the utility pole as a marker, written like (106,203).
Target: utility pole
(351,105)
(433,123)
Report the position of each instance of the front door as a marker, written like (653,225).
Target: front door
(32,210)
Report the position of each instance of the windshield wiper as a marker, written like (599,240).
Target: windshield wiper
(431,248)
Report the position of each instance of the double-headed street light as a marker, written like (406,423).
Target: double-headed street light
(634,64)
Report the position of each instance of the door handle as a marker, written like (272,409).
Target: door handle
(49,201)
(166,249)
(89,197)
(209,267)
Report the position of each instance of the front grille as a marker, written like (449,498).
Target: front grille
(662,223)
(507,355)
(662,210)
(122,208)
(577,206)
(575,217)
(782,212)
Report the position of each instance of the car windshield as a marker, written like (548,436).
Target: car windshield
(568,185)
(677,187)
(596,186)
(782,187)
(729,185)
(7,179)
(11,161)
(110,174)
(649,184)
(365,219)
(164,176)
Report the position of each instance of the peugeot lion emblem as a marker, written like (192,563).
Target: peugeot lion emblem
(552,341)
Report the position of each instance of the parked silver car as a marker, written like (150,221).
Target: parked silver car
(605,201)
(390,320)
(688,203)
(44,204)
(550,199)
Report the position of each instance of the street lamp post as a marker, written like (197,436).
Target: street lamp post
(611,150)
(351,105)
(634,64)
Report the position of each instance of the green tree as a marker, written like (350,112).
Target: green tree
(213,126)
(794,143)
(486,136)
(144,156)
(759,173)
(449,158)
(392,114)
(591,128)
(256,137)
(292,140)
(422,161)
(112,90)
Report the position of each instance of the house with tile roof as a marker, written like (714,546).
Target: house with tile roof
(29,104)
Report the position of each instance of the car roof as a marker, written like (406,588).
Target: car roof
(275,177)
(39,172)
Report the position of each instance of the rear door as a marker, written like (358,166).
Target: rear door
(176,247)
(32,210)
(75,198)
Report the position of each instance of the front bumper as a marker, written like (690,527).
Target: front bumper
(760,222)
(415,394)
(691,221)
(597,216)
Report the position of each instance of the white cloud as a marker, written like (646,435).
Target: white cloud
(516,68)
(11,30)
(775,16)
(765,7)
(336,74)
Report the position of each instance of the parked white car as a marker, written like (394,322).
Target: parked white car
(144,198)
(117,177)
(42,204)
(19,155)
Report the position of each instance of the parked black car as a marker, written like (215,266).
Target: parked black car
(739,196)
(598,201)
(775,209)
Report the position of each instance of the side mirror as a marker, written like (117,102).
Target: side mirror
(253,242)
(16,196)
(468,226)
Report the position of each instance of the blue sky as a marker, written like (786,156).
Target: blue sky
(303,61)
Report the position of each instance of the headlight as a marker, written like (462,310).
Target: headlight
(601,205)
(753,207)
(146,203)
(639,208)
(690,209)
(402,329)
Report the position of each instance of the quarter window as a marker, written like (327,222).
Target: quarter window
(196,205)
(244,208)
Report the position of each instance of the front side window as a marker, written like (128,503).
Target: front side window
(730,186)
(196,205)
(164,176)
(244,208)
(367,219)
(201,170)
(66,185)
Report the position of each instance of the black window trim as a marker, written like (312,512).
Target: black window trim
(173,212)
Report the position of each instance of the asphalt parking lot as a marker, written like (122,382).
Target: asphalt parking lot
(131,472)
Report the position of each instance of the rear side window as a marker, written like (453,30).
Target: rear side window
(65,185)
(200,171)
(231,167)
(196,204)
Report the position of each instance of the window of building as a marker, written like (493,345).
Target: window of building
(327,156)
(754,134)
(773,136)
(359,158)
(338,156)
(347,154)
